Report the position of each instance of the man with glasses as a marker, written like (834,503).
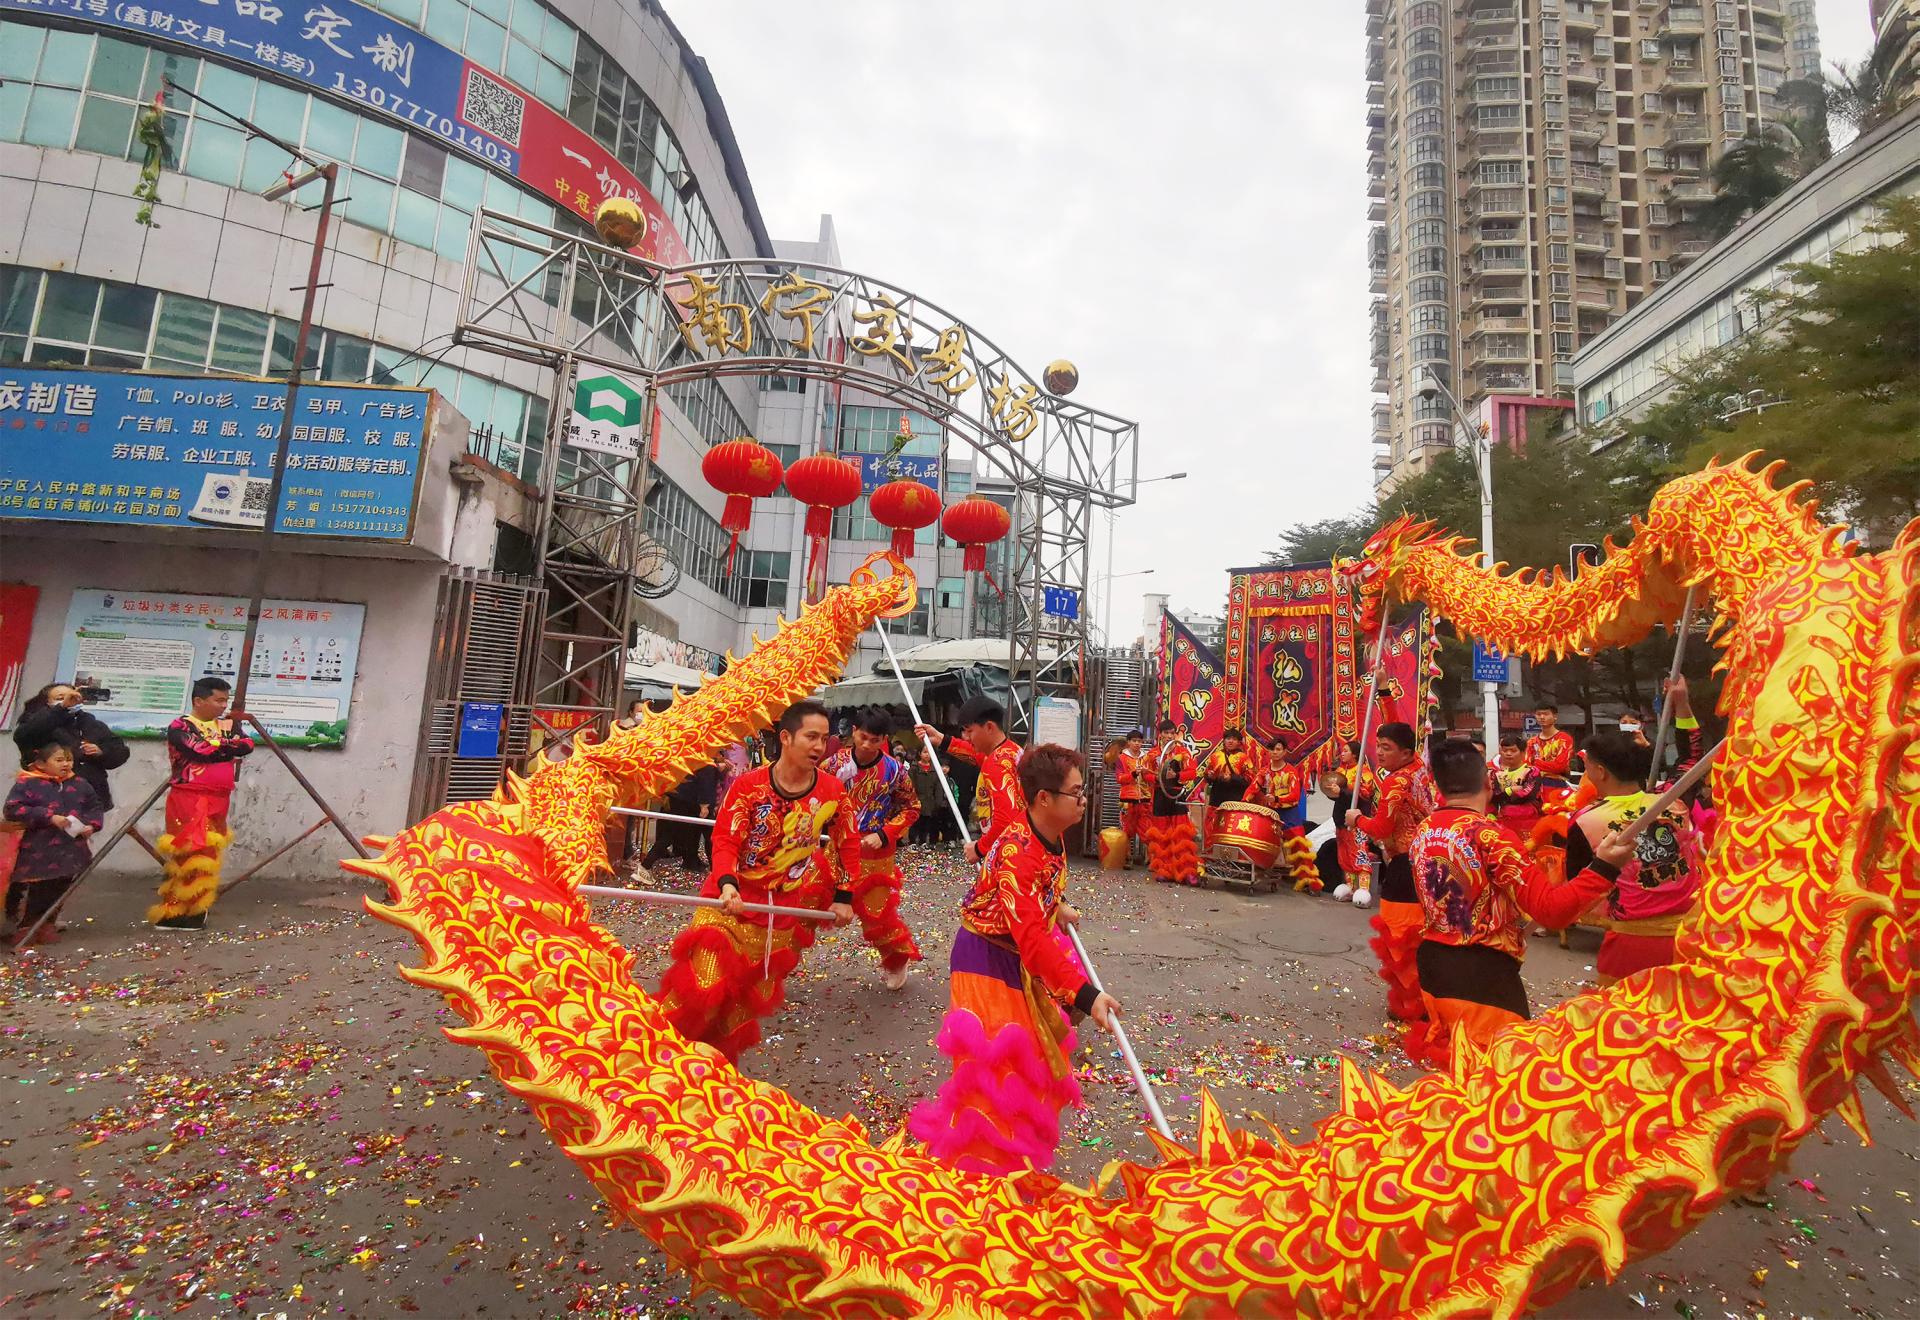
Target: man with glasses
(1013,977)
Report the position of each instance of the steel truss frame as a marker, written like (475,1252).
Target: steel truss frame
(523,295)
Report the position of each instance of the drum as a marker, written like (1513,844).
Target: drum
(1251,829)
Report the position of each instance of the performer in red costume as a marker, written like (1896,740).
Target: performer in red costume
(881,796)
(1406,797)
(729,969)
(1551,750)
(1477,890)
(1013,973)
(1133,772)
(1232,772)
(1172,853)
(1516,787)
(983,742)
(202,749)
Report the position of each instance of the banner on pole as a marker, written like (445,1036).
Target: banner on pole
(1189,684)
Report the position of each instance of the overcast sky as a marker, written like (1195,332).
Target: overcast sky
(1171,196)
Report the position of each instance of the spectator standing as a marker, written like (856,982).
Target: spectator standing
(59,810)
(56,712)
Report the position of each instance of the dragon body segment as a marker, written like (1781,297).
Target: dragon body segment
(1601,1130)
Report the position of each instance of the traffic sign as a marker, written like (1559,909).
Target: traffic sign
(1490,665)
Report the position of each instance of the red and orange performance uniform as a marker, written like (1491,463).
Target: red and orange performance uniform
(881,799)
(729,972)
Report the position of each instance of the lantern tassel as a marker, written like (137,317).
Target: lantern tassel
(994,584)
(903,542)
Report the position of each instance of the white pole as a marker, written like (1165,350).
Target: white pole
(1666,698)
(1152,1101)
(933,754)
(696,900)
(1489,692)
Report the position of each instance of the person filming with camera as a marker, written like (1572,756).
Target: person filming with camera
(57,713)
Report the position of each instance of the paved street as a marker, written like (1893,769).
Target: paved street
(266,1120)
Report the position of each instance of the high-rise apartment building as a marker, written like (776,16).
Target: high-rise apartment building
(1536,168)
(1897,23)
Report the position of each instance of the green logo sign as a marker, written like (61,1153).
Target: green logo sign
(608,399)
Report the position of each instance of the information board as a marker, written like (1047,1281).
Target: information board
(1490,664)
(876,470)
(198,451)
(147,648)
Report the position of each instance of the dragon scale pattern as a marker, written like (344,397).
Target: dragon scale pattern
(1601,1130)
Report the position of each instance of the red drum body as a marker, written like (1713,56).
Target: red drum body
(1250,828)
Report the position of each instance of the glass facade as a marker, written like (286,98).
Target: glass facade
(872,431)
(693,537)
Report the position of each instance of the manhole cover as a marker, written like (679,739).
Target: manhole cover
(1307,942)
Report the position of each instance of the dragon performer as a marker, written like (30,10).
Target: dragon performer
(1600,1131)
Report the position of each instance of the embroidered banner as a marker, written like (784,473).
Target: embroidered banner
(1290,659)
(1188,683)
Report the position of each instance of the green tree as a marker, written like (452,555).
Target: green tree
(1831,384)
(1747,176)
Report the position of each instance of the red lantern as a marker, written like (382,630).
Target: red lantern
(977,522)
(823,483)
(905,506)
(742,470)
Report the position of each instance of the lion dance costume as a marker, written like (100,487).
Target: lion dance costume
(1172,853)
(729,972)
(1005,1033)
(204,767)
(882,801)
(1598,1132)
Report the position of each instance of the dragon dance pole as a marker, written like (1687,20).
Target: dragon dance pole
(704,822)
(1152,1101)
(933,755)
(696,900)
(1666,698)
(1366,725)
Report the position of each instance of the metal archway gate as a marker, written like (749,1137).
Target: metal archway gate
(567,301)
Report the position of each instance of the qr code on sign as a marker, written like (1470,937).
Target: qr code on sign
(253,501)
(492,108)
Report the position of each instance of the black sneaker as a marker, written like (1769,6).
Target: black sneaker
(198,921)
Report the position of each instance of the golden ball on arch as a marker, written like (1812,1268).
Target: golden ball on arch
(620,222)
(1061,376)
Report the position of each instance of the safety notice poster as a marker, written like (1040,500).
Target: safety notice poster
(146,648)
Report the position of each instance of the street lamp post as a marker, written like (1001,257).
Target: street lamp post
(1106,581)
(1106,605)
(1483,472)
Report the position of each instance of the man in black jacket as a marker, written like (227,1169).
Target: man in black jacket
(55,712)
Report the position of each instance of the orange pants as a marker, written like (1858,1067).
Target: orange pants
(876,901)
(1479,1021)
(1398,929)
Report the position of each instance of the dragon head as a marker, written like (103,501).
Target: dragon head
(1377,571)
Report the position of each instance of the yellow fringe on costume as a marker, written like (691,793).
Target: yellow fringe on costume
(1302,865)
(190,877)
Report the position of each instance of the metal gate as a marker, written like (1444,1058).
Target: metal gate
(484,625)
(1121,678)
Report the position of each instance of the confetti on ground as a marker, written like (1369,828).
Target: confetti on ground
(267,1121)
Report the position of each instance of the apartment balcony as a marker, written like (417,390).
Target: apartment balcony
(1589,127)
(1595,239)
(1503,349)
(1489,264)
(1383,463)
(1484,21)
(1379,383)
(1767,34)
(1377,209)
(1505,145)
(1491,202)
(1690,194)
(1688,252)
(1377,278)
(1684,18)
(1505,380)
(1376,17)
(1589,178)
(1582,16)
(1678,77)
(1686,130)
(1581,73)
(1491,288)
(1498,325)
(1485,92)
(1497,60)
(1593,295)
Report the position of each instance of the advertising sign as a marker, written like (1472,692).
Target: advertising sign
(609,415)
(876,470)
(361,55)
(147,647)
(480,726)
(198,451)
(17,601)
(1061,602)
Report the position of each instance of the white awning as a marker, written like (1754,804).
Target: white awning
(939,657)
(660,678)
(871,691)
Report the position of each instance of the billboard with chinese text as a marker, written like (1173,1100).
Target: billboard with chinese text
(147,647)
(197,451)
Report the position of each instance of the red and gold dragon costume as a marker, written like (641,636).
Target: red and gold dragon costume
(1602,1130)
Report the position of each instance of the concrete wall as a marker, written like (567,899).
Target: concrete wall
(366,782)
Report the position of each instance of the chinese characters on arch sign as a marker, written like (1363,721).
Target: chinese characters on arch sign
(359,54)
(198,451)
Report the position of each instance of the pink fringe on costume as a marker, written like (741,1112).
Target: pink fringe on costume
(1000,1111)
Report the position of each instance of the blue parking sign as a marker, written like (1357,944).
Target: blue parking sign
(1489,664)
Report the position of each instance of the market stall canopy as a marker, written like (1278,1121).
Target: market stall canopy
(961,653)
(875,690)
(661,677)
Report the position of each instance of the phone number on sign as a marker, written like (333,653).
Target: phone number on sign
(451,129)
